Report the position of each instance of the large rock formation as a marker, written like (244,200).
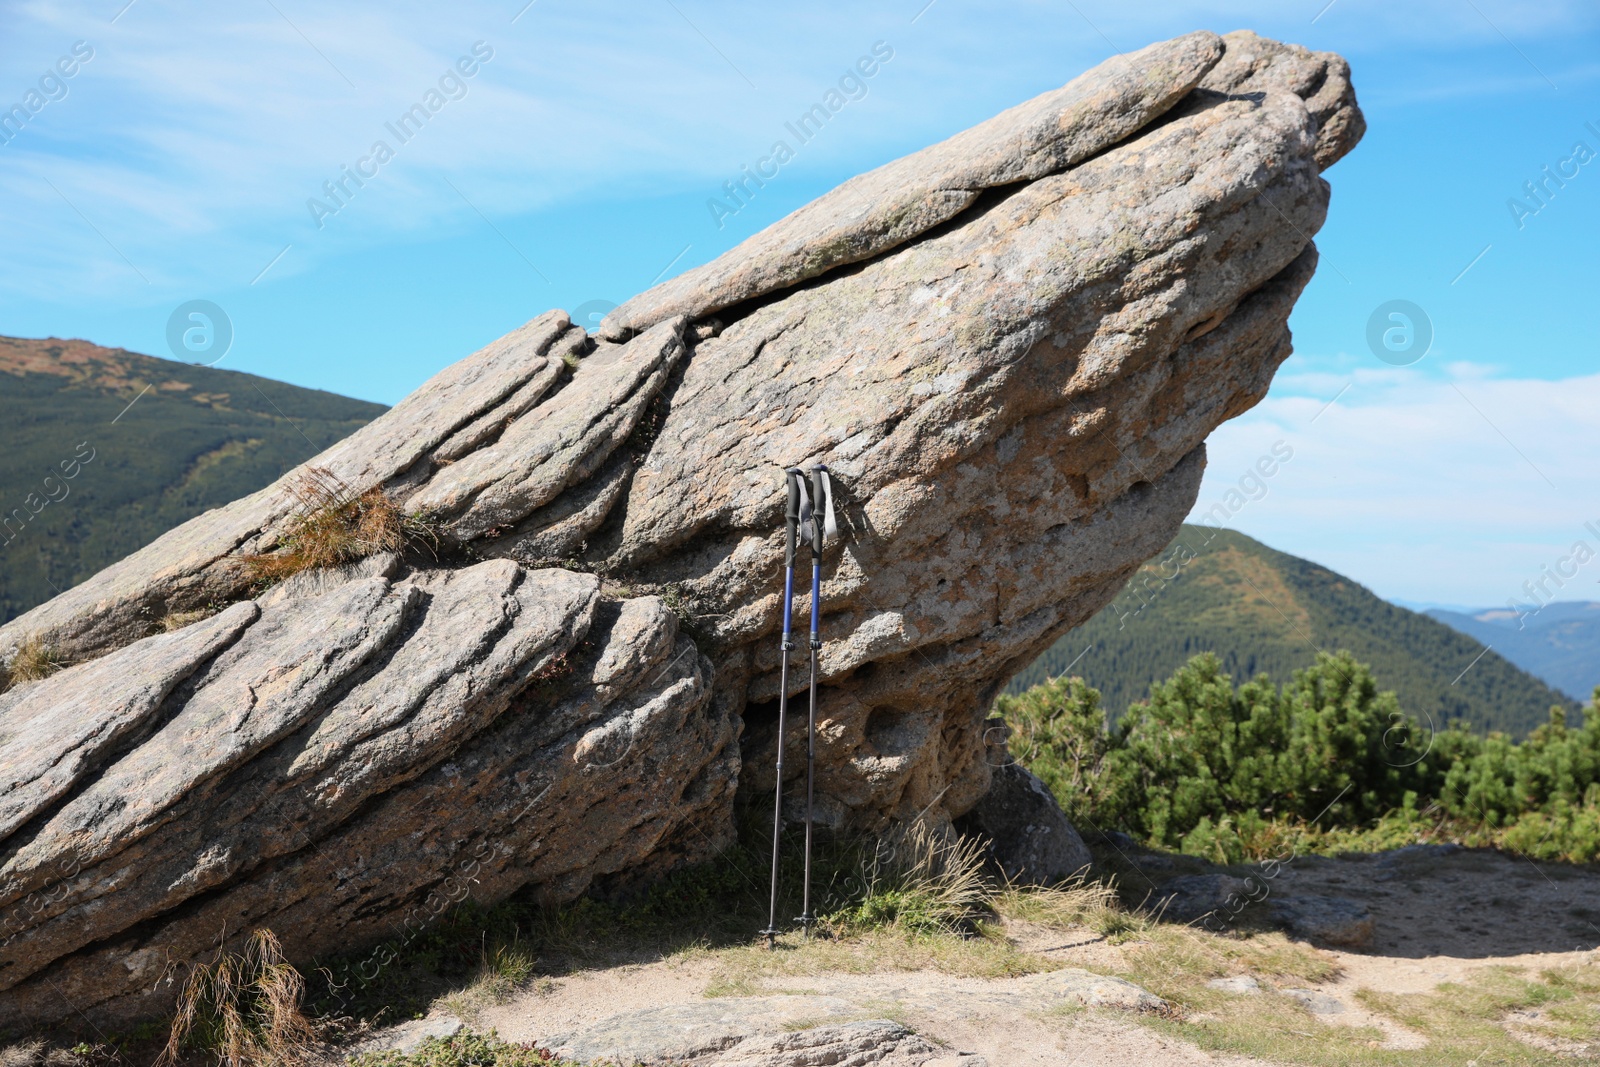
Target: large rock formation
(1009,348)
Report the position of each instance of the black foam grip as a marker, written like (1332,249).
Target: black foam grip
(817,512)
(791,517)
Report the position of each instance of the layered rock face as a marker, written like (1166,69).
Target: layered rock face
(1009,348)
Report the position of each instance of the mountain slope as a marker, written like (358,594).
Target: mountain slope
(88,478)
(1261,610)
(1559,643)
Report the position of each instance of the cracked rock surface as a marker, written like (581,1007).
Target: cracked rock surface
(826,1021)
(1009,348)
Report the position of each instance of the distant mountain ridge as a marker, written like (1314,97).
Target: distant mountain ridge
(107,449)
(1264,611)
(1560,642)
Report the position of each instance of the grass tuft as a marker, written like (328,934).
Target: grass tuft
(244,1008)
(38,1054)
(1080,902)
(27,1054)
(504,971)
(34,660)
(333,525)
(920,879)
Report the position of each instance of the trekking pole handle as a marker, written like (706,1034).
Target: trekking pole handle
(791,516)
(820,492)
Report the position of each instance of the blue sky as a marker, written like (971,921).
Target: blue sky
(575,163)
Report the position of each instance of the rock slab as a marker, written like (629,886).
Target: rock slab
(1009,349)
(871,1041)
(826,1021)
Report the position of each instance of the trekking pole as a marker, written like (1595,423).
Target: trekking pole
(821,522)
(791,522)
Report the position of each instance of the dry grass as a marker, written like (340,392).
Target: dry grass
(245,1009)
(749,970)
(928,905)
(37,1054)
(24,1055)
(27,1054)
(333,525)
(1078,904)
(1514,1015)
(33,661)
(1175,962)
(920,879)
(1500,1015)
(177,620)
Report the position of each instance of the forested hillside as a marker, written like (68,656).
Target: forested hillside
(1559,642)
(1260,610)
(107,449)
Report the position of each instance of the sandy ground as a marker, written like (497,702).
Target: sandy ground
(1439,917)
(1098,1038)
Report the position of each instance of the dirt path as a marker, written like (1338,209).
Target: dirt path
(1441,917)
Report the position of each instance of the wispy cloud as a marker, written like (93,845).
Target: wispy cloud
(199,131)
(219,124)
(1425,489)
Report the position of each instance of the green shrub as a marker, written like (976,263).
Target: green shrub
(1229,772)
(1502,780)
(1564,832)
(1059,731)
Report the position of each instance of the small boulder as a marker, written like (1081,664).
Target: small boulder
(1030,837)
(1241,984)
(695,1032)
(1195,896)
(1335,921)
(1316,1003)
(1072,986)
